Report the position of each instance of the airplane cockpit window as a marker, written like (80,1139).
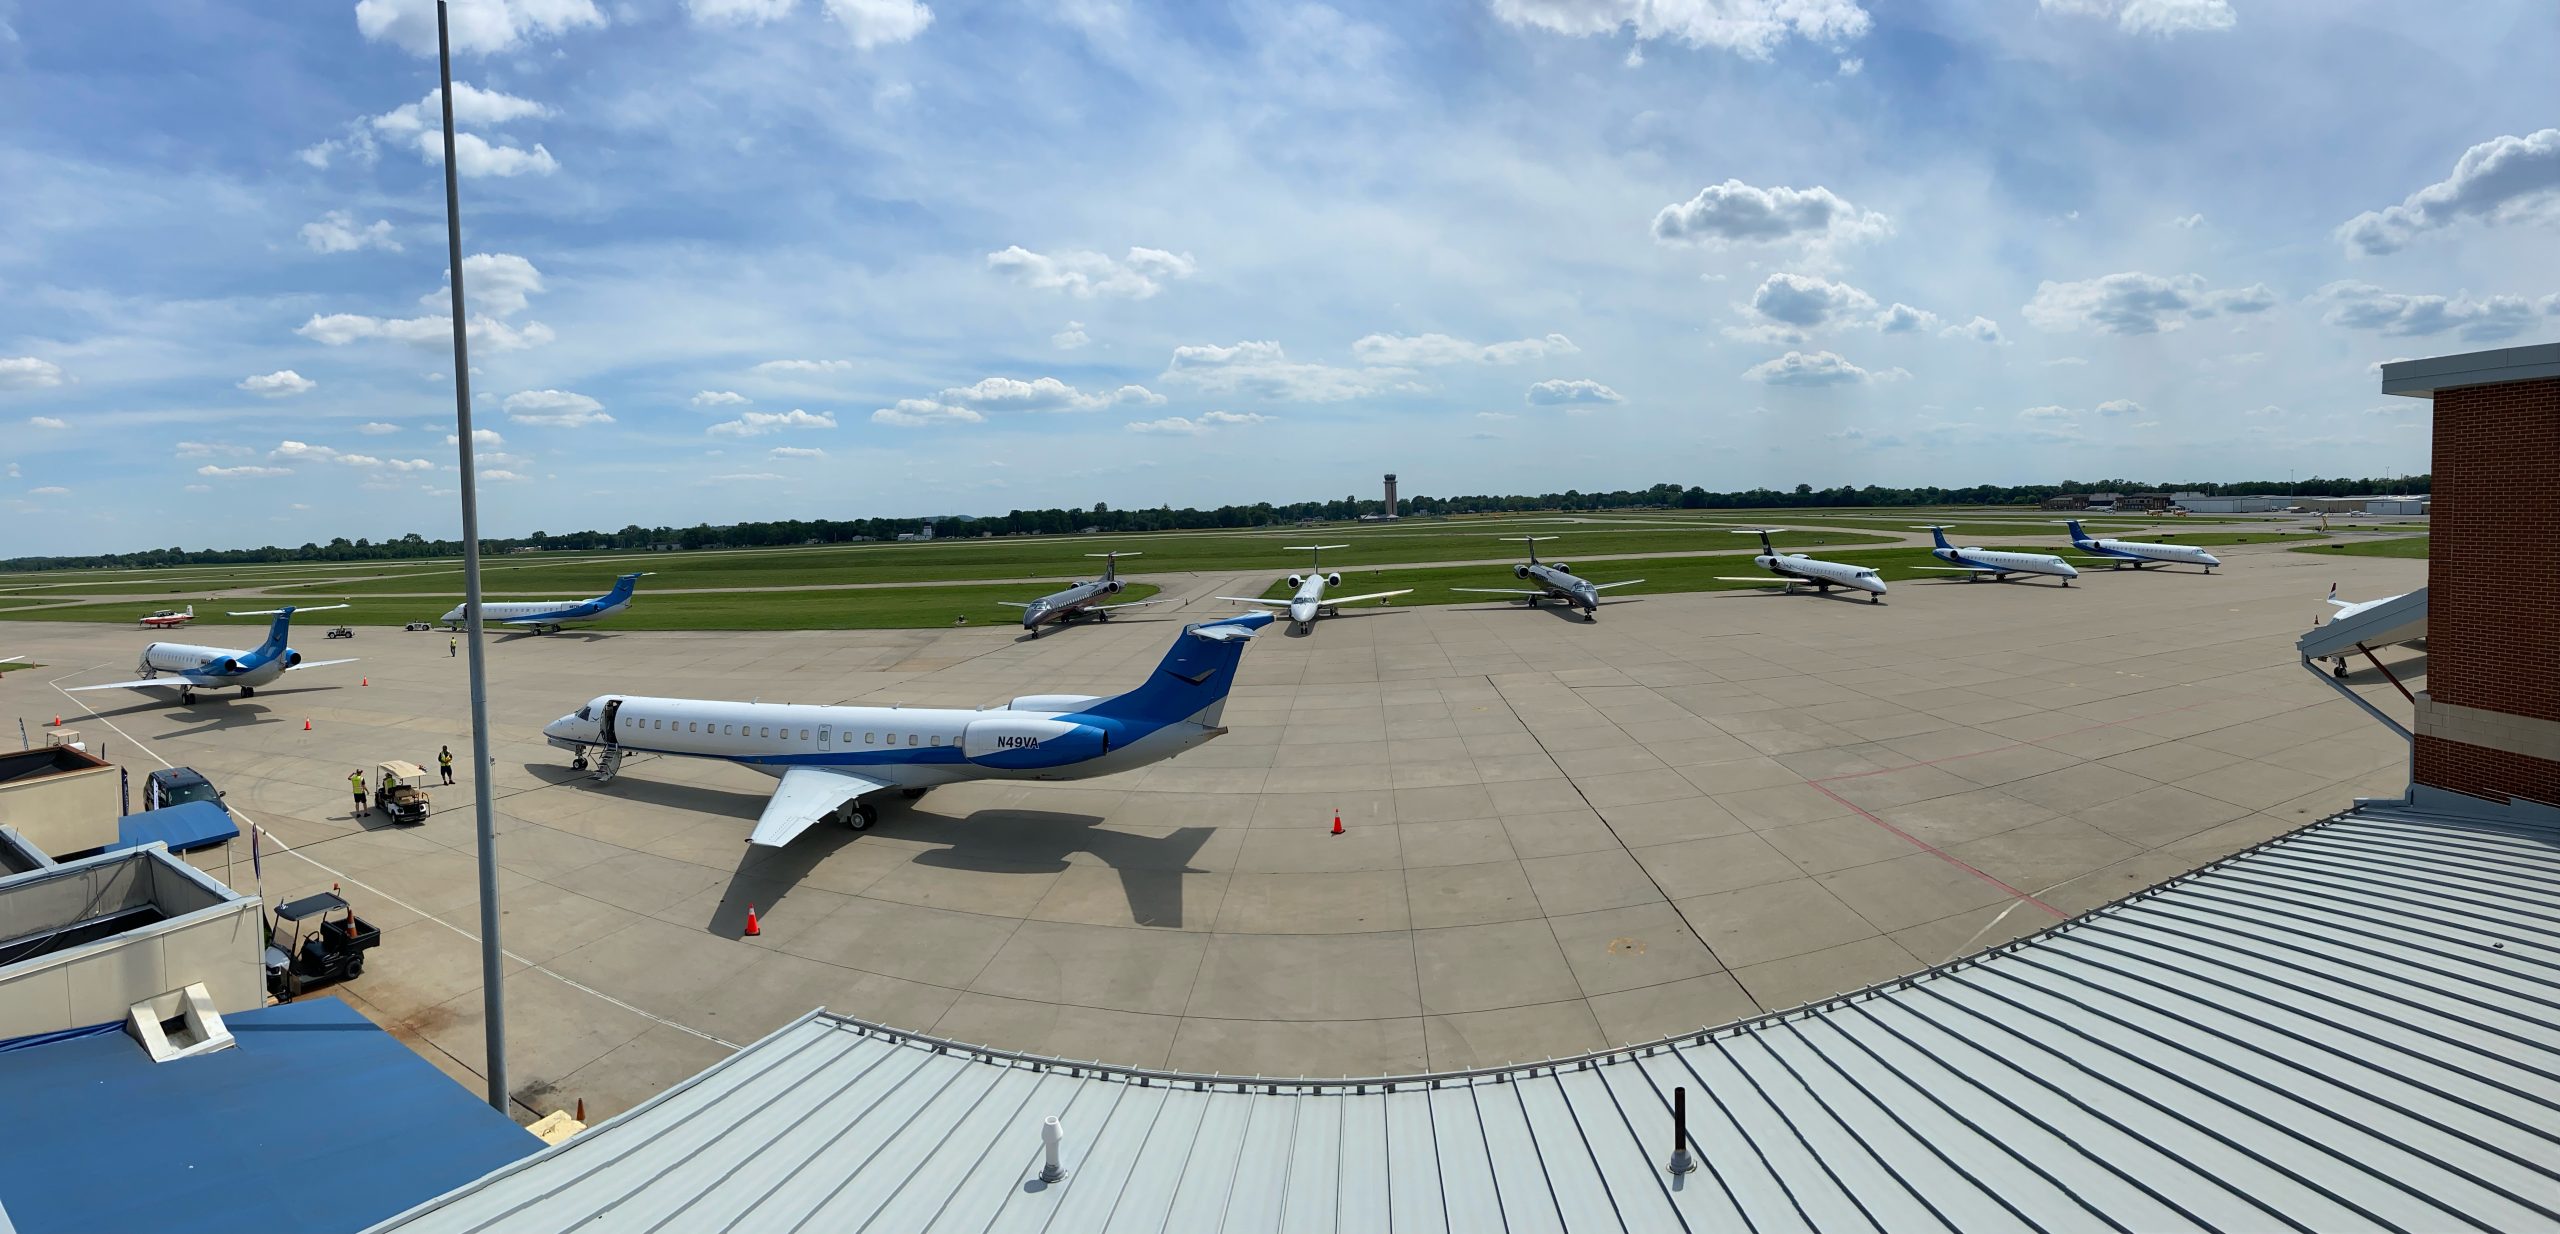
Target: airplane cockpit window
(587,712)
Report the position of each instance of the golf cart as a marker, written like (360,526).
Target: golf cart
(315,939)
(400,790)
(342,632)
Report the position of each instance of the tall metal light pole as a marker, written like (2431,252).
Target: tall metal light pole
(493,1001)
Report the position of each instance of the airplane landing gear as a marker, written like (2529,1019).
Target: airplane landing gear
(248,691)
(2338,668)
(1873,598)
(186,698)
(858,815)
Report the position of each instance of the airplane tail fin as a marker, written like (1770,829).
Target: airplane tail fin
(1192,681)
(1938,532)
(2076,533)
(623,587)
(278,631)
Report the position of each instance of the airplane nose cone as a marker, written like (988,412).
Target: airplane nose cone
(2069,570)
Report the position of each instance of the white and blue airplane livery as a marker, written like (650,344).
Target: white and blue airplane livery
(187,668)
(1307,600)
(2138,553)
(550,616)
(1792,569)
(831,760)
(1975,563)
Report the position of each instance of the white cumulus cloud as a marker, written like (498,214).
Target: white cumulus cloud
(2506,179)
(1419,350)
(1980,330)
(242,472)
(497,284)
(2363,306)
(805,366)
(282,383)
(554,409)
(1903,319)
(1737,213)
(2120,407)
(2153,17)
(1752,28)
(376,428)
(924,412)
(1578,392)
(1042,394)
(796,452)
(1263,368)
(338,232)
(1086,275)
(479,27)
(1070,338)
(2136,303)
(477,156)
(718,398)
(1806,301)
(760,423)
(28,373)
(1815,368)
(45,422)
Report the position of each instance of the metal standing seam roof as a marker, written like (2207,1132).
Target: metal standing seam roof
(2355,1026)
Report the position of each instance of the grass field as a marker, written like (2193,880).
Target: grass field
(2397,546)
(885,608)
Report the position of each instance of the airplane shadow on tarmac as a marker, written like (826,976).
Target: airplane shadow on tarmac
(995,841)
(1844,596)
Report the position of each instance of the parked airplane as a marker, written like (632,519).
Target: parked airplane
(169,618)
(1976,562)
(187,668)
(1308,600)
(2404,623)
(2139,553)
(1794,568)
(1063,606)
(1558,581)
(549,616)
(826,770)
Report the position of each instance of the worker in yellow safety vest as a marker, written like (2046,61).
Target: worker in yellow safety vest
(444,759)
(355,782)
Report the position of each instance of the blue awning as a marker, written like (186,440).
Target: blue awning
(193,825)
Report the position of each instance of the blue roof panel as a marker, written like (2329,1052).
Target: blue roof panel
(193,825)
(316,1120)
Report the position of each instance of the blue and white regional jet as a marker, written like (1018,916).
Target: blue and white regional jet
(1977,562)
(187,668)
(549,616)
(2138,553)
(832,759)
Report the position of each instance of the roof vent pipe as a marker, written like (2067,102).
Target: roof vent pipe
(1050,1134)
(1681,1161)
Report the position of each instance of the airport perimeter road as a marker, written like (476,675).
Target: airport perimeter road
(1559,836)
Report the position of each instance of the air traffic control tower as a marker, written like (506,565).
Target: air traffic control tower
(1390,511)
(2488,724)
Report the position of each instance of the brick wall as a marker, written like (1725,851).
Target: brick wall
(2493,579)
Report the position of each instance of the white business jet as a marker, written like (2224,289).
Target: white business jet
(1793,569)
(1556,581)
(1976,563)
(549,616)
(2138,553)
(832,759)
(187,668)
(1307,600)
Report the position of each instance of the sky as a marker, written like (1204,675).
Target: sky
(753,259)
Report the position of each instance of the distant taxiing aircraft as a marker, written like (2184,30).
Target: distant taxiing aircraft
(169,618)
(1308,601)
(2138,553)
(1064,606)
(187,668)
(832,759)
(1557,580)
(1976,562)
(550,616)
(1792,569)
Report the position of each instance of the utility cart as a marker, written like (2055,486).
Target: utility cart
(315,939)
(400,791)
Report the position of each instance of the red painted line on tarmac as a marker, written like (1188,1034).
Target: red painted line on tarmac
(1937,852)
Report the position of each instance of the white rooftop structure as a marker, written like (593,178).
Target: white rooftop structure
(2354,1027)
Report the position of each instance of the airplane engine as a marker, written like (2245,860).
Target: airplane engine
(1028,741)
(1519,571)
(292,658)
(1561,566)
(1333,580)
(1297,581)
(1116,585)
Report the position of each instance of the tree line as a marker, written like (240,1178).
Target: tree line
(1102,517)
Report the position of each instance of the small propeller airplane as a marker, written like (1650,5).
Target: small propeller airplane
(549,616)
(1557,581)
(1977,562)
(169,618)
(187,668)
(1065,606)
(1308,601)
(1794,569)
(2138,553)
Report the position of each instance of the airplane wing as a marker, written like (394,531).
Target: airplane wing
(1266,603)
(1500,591)
(2098,561)
(806,795)
(171,682)
(1763,580)
(1965,569)
(1015,603)
(1104,608)
(321,663)
(1624,582)
(1375,595)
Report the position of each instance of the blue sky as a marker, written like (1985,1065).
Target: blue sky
(744,259)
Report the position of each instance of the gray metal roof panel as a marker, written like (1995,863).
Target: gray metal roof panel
(2354,1027)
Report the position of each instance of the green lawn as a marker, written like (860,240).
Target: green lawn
(866,609)
(2397,546)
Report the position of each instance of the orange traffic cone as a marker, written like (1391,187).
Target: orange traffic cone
(582,1110)
(1337,822)
(306,726)
(752,928)
(57,721)
(364,681)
